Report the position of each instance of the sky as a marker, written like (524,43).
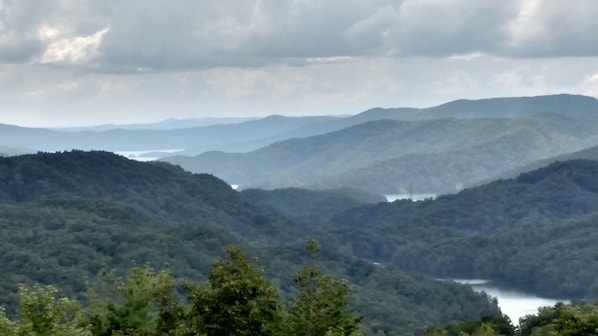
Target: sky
(84,62)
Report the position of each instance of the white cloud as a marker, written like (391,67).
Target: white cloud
(75,50)
(590,84)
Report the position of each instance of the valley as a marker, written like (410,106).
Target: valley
(396,197)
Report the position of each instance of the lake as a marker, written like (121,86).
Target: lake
(513,303)
(147,155)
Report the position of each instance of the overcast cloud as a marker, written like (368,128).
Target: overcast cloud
(73,62)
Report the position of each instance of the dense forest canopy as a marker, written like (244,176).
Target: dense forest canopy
(65,217)
(535,231)
(237,300)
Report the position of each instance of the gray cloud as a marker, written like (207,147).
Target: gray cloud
(444,28)
(80,62)
(231,33)
(553,28)
(158,34)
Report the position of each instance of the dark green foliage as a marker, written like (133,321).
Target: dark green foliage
(238,301)
(536,231)
(532,324)
(321,306)
(577,320)
(499,325)
(61,242)
(67,216)
(159,190)
(566,320)
(144,303)
(43,313)
(309,207)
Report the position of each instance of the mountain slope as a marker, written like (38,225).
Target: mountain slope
(587,154)
(535,231)
(570,106)
(65,216)
(163,191)
(363,156)
(309,207)
(565,105)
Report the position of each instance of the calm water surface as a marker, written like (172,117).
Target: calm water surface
(513,303)
(142,154)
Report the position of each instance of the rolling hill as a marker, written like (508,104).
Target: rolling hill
(536,231)
(248,135)
(66,216)
(389,156)
(587,154)
(566,105)
(238,137)
(309,207)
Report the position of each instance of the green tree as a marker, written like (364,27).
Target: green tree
(321,306)
(239,300)
(485,330)
(142,304)
(436,331)
(542,322)
(577,320)
(43,314)
(7,327)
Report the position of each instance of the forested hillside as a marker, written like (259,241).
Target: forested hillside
(8,151)
(560,319)
(389,157)
(536,231)
(160,190)
(587,154)
(66,216)
(309,207)
(237,300)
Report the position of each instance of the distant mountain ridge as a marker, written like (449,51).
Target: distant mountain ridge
(203,138)
(167,124)
(253,134)
(388,156)
(571,106)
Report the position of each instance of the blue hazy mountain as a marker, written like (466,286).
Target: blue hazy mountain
(390,156)
(250,135)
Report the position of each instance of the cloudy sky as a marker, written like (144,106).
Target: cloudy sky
(81,62)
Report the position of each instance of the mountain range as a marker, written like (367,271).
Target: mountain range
(245,134)
(66,216)
(536,231)
(390,156)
